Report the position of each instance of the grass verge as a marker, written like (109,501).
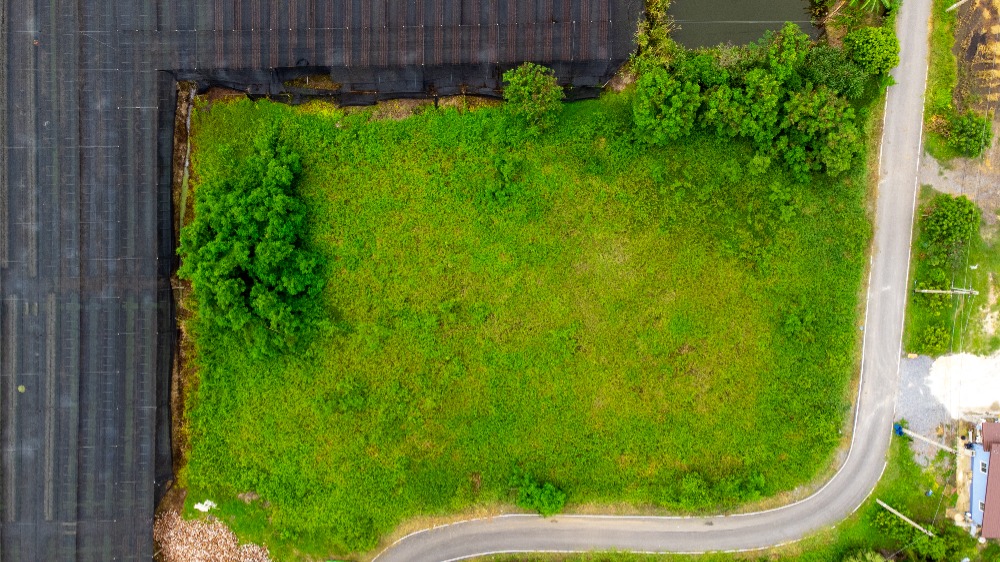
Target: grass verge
(938,324)
(942,78)
(904,485)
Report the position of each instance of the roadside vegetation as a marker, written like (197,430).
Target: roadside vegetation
(649,299)
(951,131)
(950,252)
(871,534)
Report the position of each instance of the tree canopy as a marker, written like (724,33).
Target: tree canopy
(769,95)
(244,252)
(875,49)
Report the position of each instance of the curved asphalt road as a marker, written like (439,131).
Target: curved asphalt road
(879,367)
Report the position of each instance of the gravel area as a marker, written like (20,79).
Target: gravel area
(202,541)
(919,407)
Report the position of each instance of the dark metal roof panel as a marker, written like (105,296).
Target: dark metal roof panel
(86,236)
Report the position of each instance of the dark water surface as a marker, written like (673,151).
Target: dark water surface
(705,23)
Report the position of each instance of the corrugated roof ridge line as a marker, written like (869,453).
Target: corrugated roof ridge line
(4,193)
(991,515)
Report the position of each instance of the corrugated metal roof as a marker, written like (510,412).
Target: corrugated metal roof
(991,516)
(86,233)
(991,434)
(977,487)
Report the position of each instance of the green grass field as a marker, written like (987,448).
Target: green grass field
(653,327)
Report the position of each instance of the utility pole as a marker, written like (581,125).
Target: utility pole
(904,518)
(952,291)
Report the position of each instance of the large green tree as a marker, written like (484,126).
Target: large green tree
(244,252)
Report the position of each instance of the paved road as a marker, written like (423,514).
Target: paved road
(880,367)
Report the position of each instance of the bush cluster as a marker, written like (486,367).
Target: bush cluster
(244,254)
(947,224)
(792,100)
(545,498)
(970,133)
(532,93)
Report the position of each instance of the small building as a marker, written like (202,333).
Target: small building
(984,493)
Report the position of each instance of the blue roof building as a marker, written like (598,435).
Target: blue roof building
(977,493)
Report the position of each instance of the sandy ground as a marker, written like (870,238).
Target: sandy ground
(916,403)
(979,180)
(933,395)
(966,384)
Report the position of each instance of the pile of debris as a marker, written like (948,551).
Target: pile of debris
(202,541)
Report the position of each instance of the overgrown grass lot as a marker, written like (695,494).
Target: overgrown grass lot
(638,325)
(952,249)
(648,300)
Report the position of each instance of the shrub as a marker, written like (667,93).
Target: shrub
(787,53)
(820,133)
(533,495)
(935,340)
(531,92)
(831,67)
(762,99)
(970,133)
(243,252)
(665,108)
(950,222)
(875,49)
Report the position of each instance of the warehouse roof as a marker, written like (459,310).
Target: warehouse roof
(87,97)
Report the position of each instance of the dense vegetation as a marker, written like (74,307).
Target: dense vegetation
(949,252)
(648,298)
(790,99)
(950,131)
(243,252)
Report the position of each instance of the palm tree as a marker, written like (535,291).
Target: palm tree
(868,556)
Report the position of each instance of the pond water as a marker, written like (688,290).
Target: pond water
(706,23)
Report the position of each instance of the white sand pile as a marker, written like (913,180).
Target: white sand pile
(199,541)
(966,383)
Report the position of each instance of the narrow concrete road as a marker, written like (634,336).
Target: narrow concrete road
(901,147)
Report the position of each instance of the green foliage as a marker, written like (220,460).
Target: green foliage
(533,495)
(819,133)
(762,99)
(949,223)
(532,93)
(538,304)
(831,67)
(653,37)
(865,556)
(785,95)
(786,53)
(946,227)
(970,133)
(665,108)
(874,49)
(244,252)
(873,5)
(942,77)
